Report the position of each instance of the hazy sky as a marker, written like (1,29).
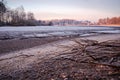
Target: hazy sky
(70,9)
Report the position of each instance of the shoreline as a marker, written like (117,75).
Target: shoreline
(13,45)
(72,26)
(60,56)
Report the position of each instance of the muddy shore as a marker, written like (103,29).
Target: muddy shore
(88,58)
(11,45)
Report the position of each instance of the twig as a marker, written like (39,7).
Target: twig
(111,60)
(91,56)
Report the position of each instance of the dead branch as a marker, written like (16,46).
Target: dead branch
(103,64)
(91,56)
(64,58)
(79,43)
(114,73)
(16,57)
(63,46)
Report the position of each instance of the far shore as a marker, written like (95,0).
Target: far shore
(92,25)
(112,25)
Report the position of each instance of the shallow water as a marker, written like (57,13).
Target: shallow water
(54,31)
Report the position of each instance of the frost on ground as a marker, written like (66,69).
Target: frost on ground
(73,59)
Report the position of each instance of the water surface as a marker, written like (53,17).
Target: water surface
(54,31)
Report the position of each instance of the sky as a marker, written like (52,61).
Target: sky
(69,9)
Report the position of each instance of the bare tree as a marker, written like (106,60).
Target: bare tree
(30,19)
(30,16)
(17,17)
(2,10)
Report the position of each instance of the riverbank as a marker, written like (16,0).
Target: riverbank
(95,57)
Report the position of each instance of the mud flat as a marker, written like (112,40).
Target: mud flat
(10,45)
(91,58)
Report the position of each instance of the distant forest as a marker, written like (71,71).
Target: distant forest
(19,17)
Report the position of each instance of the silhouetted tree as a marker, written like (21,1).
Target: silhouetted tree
(2,11)
(30,16)
(15,17)
(50,23)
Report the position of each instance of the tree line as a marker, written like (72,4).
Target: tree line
(16,17)
(109,21)
(19,17)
